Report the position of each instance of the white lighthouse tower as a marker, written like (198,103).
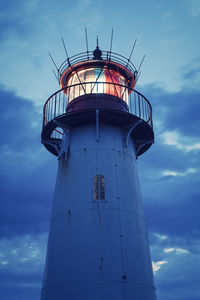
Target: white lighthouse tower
(97,125)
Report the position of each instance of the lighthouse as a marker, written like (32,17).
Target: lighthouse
(97,125)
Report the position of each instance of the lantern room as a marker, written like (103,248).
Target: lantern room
(98,75)
(97,86)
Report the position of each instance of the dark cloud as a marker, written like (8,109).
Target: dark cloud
(178,110)
(26,186)
(172,202)
(27,181)
(177,271)
(179,219)
(183,113)
(23,289)
(20,121)
(191,73)
(21,266)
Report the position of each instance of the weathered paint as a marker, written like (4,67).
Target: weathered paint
(98,249)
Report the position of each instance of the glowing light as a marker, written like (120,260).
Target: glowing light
(95,81)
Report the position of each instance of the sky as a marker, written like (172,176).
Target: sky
(168,34)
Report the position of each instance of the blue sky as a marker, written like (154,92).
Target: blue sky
(168,33)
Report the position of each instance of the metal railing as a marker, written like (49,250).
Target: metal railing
(56,104)
(88,56)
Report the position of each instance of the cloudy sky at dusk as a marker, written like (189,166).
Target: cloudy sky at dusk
(168,33)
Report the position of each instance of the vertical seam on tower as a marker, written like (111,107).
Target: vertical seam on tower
(119,219)
(99,239)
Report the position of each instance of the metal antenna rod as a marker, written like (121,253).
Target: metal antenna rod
(86,39)
(111,41)
(137,77)
(141,63)
(55,75)
(53,62)
(132,51)
(97,42)
(65,47)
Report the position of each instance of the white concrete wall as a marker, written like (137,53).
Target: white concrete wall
(98,250)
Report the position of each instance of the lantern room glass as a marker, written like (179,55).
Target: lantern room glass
(97,80)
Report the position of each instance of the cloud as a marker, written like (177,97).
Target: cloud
(174,138)
(181,251)
(193,7)
(176,250)
(169,172)
(157,265)
(19,254)
(167,250)
(27,178)
(21,266)
(175,267)
(174,173)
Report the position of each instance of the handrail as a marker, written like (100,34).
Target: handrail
(87,56)
(56,104)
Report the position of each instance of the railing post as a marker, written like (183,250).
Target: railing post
(51,108)
(55,105)
(139,105)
